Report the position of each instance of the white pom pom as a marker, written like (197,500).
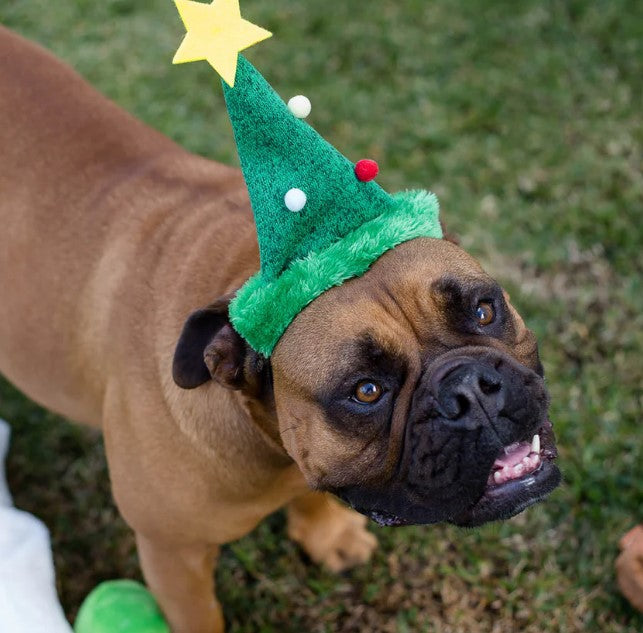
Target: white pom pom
(295,200)
(300,106)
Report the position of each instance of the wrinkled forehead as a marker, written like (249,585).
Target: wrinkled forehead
(393,307)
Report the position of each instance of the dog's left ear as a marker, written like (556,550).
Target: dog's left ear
(210,348)
(449,237)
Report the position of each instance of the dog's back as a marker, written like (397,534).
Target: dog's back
(88,208)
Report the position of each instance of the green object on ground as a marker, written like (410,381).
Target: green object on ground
(120,606)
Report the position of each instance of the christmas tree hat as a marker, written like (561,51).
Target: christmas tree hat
(320,219)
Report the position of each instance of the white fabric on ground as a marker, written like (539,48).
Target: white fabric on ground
(28,600)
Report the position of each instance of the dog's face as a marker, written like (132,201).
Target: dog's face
(414,392)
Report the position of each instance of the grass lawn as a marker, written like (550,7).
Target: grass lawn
(522,116)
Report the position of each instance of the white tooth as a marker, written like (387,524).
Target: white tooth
(519,469)
(535,444)
(497,477)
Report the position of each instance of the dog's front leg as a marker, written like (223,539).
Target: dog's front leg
(181,577)
(329,532)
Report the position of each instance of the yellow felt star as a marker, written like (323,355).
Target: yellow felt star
(216,32)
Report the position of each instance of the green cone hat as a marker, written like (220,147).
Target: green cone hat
(343,227)
(319,221)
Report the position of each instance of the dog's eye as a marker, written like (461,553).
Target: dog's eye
(368,392)
(485,313)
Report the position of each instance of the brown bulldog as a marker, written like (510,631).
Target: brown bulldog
(414,393)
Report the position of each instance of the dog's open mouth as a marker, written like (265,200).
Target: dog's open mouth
(523,473)
(521,459)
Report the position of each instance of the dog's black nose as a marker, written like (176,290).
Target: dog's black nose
(471,394)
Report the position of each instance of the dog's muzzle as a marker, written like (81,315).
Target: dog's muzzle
(478,445)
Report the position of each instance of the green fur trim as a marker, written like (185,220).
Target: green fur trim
(262,310)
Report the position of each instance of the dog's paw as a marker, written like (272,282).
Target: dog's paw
(332,535)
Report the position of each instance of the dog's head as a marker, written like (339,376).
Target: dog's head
(414,392)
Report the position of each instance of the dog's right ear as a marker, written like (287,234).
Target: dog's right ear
(210,348)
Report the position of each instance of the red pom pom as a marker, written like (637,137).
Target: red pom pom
(366,170)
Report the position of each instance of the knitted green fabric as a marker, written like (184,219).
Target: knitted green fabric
(343,228)
(280,152)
